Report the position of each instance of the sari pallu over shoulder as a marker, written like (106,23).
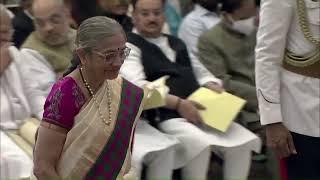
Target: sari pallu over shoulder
(94,150)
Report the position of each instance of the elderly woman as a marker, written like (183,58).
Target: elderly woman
(90,114)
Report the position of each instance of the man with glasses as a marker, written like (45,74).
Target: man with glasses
(48,50)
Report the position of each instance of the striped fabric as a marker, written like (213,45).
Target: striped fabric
(111,159)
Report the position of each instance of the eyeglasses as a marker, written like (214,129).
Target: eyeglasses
(111,57)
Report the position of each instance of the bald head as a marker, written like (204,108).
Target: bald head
(51,19)
(46,6)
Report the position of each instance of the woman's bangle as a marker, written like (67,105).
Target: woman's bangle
(178,103)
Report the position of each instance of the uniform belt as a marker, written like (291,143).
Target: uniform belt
(307,66)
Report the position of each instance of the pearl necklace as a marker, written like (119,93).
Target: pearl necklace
(102,117)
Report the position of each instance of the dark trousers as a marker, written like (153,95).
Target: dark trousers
(306,164)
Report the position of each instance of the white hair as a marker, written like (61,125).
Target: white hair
(93,30)
(57,2)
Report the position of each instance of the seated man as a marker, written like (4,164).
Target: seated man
(53,39)
(227,51)
(14,107)
(48,50)
(153,55)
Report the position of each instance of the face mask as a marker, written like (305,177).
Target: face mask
(245,26)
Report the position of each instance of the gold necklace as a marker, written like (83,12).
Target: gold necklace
(102,117)
(304,23)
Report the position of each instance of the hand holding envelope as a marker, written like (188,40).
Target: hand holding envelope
(221,108)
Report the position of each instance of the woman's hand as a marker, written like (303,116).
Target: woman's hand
(190,111)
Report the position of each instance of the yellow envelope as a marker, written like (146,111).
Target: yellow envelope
(157,93)
(221,109)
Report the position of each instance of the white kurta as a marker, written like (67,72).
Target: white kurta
(194,140)
(14,104)
(15,163)
(39,77)
(155,149)
(285,96)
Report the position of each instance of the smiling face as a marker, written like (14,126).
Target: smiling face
(96,62)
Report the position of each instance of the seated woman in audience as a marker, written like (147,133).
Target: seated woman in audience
(14,106)
(90,114)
